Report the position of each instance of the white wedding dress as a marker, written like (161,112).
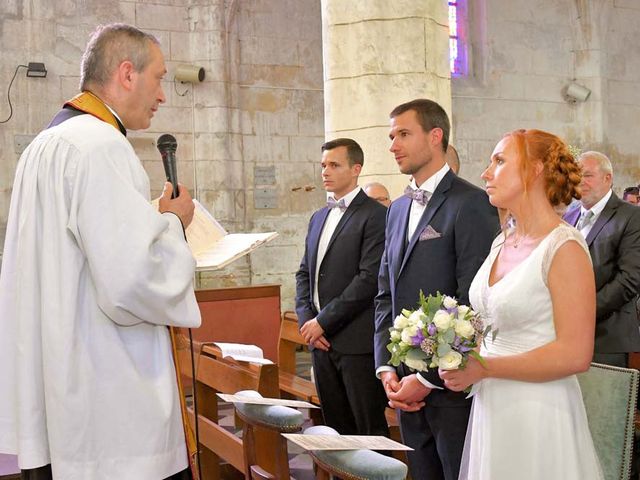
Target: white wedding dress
(525,430)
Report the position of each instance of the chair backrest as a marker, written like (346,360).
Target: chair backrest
(275,418)
(609,395)
(215,374)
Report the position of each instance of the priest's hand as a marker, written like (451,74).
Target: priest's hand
(410,396)
(182,206)
(311,331)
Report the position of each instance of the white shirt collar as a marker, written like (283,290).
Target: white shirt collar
(599,206)
(431,183)
(348,198)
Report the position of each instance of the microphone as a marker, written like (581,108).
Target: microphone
(167,146)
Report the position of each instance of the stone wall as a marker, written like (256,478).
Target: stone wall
(260,105)
(523,55)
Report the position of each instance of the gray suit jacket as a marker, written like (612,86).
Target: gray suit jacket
(614,244)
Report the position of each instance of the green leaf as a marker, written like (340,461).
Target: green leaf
(478,357)
(443,349)
(449,336)
(416,354)
(406,312)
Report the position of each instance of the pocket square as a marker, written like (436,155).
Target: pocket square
(429,233)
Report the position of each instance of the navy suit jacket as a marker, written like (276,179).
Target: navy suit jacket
(462,215)
(614,245)
(347,280)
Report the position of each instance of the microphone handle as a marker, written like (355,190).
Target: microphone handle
(170,170)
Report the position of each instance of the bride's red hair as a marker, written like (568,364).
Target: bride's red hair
(562,174)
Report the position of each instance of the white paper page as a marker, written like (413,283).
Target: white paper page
(242,349)
(344,442)
(266,401)
(231,247)
(204,231)
(244,358)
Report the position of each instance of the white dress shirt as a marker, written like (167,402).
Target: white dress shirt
(597,210)
(330,224)
(429,186)
(415,214)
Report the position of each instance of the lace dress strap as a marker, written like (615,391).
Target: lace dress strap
(562,234)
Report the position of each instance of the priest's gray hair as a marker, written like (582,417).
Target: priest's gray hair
(108,47)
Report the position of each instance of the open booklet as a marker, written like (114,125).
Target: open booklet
(243,352)
(212,246)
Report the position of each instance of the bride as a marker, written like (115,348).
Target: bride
(537,289)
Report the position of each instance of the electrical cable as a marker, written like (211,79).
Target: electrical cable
(9,93)
(195,406)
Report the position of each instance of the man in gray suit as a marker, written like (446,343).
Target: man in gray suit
(611,228)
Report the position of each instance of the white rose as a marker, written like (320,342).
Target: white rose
(464,328)
(450,361)
(449,302)
(442,320)
(400,322)
(417,316)
(419,365)
(407,333)
(462,311)
(395,335)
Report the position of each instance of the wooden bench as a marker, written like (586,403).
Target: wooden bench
(215,374)
(291,384)
(301,388)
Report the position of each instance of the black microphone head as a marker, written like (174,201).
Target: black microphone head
(167,143)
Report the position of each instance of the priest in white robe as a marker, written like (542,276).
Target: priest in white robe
(92,275)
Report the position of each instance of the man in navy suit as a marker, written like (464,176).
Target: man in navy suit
(611,229)
(437,236)
(335,288)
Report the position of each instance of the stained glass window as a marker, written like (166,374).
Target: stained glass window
(457,38)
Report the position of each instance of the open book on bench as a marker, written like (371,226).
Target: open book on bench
(212,246)
(243,352)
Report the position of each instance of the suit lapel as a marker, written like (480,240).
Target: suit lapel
(402,217)
(606,214)
(314,240)
(437,199)
(353,206)
(572,216)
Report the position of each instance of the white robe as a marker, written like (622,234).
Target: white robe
(91,276)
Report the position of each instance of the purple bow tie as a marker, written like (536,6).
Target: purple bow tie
(333,203)
(419,195)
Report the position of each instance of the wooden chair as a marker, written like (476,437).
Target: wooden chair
(609,395)
(354,464)
(303,389)
(213,375)
(277,419)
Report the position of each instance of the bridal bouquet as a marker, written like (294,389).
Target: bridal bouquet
(440,333)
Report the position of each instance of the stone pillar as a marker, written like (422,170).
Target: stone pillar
(378,54)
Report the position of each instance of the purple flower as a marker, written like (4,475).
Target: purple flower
(431,329)
(463,349)
(417,338)
(456,341)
